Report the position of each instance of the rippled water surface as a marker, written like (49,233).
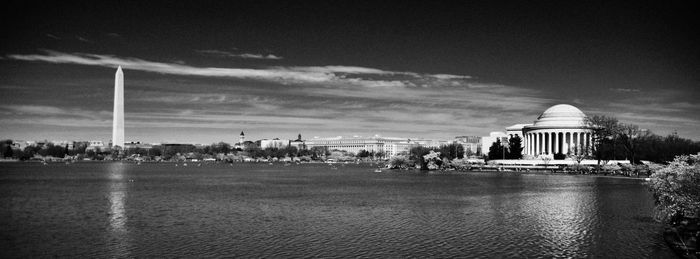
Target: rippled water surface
(261,210)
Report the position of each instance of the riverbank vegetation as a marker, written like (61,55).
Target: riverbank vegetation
(613,140)
(676,189)
(182,152)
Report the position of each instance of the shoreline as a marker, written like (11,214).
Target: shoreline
(363,164)
(456,172)
(551,173)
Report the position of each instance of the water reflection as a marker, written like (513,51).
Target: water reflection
(117,218)
(565,215)
(304,211)
(117,193)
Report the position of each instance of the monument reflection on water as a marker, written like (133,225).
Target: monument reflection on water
(564,217)
(260,210)
(117,187)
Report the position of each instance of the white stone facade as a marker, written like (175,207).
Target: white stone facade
(389,146)
(274,143)
(560,129)
(487,141)
(118,120)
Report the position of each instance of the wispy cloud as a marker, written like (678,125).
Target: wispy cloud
(259,56)
(52,36)
(447,76)
(326,75)
(172,68)
(35,109)
(347,70)
(83,39)
(625,90)
(52,111)
(336,100)
(411,109)
(375,71)
(646,108)
(227,54)
(114,35)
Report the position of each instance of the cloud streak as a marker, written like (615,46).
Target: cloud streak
(53,111)
(344,100)
(323,75)
(625,90)
(227,54)
(83,39)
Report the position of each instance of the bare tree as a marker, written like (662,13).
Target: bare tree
(630,135)
(546,160)
(605,131)
(579,156)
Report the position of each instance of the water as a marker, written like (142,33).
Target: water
(261,210)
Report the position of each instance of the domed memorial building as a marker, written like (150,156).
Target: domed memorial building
(560,129)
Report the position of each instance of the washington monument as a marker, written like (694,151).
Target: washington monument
(118,123)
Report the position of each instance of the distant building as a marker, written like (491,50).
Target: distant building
(248,144)
(63,143)
(430,143)
(471,143)
(137,144)
(487,141)
(516,130)
(38,143)
(388,146)
(392,149)
(241,142)
(95,145)
(272,143)
(298,143)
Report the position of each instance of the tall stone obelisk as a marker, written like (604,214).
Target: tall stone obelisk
(118,123)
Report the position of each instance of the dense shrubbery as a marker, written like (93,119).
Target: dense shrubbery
(511,150)
(417,155)
(676,188)
(400,162)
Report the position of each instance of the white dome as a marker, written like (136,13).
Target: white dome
(561,115)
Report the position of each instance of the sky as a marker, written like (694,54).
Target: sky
(203,71)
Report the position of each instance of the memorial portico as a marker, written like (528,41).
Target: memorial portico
(560,129)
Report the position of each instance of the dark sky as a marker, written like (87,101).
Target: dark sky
(205,70)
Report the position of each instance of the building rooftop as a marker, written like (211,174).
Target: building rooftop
(518,126)
(561,115)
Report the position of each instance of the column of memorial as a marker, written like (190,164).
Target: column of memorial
(588,141)
(528,143)
(525,145)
